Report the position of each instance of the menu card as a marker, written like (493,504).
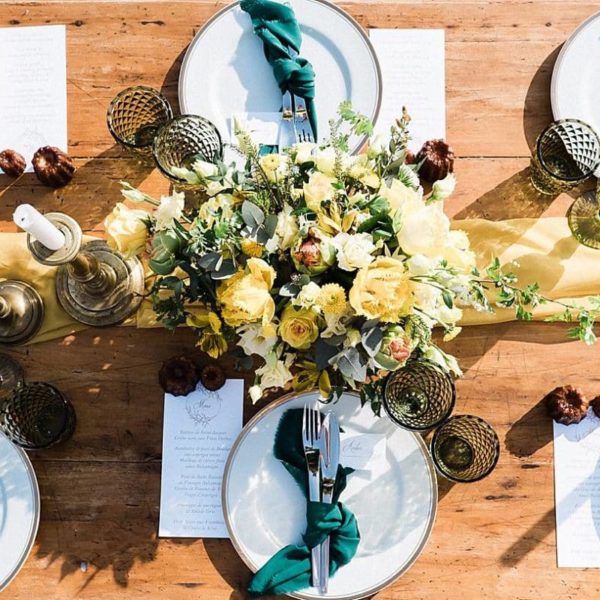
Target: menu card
(413,74)
(198,432)
(33,88)
(577,492)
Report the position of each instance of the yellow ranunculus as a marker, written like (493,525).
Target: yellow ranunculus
(246,297)
(317,190)
(383,290)
(298,328)
(126,232)
(251,247)
(401,198)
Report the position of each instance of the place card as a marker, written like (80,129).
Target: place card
(198,432)
(413,73)
(577,492)
(362,451)
(33,89)
(263,127)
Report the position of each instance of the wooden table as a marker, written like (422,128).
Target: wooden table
(100,492)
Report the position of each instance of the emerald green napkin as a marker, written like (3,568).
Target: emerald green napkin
(289,569)
(276,25)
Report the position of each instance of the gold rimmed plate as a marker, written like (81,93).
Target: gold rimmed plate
(395,503)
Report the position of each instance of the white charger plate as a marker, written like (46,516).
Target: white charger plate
(19,509)
(225,70)
(264,509)
(576,76)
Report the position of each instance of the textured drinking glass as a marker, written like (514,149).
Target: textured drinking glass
(419,396)
(465,449)
(37,415)
(184,140)
(11,375)
(567,153)
(584,219)
(135,116)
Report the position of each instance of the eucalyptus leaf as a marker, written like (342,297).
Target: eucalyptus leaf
(252,214)
(323,354)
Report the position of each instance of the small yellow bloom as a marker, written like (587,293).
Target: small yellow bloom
(246,297)
(332,299)
(383,290)
(214,344)
(211,339)
(251,248)
(317,190)
(298,328)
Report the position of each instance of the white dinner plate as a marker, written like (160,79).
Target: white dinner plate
(575,89)
(225,70)
(19,509)
(265,510)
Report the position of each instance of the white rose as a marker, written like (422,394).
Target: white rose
(254,341)
(443,188)
(170,209)
(287,227)
(205,169)
(307,296)
(424,231)
(304,152)
(325,161)
(353,251)
(126,231)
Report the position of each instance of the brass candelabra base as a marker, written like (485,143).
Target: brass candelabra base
(21,312)
(94,285)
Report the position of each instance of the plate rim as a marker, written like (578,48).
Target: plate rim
(359,28)
(559,60)
(226,509)
(36,520)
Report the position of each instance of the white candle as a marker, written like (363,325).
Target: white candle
(34,223)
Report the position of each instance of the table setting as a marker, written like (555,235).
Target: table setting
(303,250)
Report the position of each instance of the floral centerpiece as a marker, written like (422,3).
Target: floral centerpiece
(333,269)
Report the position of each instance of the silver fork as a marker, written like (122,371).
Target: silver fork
(311,430)
(303,127)
(288,135)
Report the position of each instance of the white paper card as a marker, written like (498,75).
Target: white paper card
(362,451)
(198,432)
(413,73)
(263,127)
(33,89)
(577,492)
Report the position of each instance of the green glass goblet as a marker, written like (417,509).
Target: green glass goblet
(567,153)
(465,449)
(419,396)
(584,220)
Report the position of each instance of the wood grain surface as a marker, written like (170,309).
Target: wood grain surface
(100,492)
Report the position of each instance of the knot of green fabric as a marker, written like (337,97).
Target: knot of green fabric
(276,25)
(289,569)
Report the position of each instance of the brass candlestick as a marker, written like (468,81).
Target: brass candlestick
(93,284)
(21,312)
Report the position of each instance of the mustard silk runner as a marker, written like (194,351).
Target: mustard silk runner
(544,248)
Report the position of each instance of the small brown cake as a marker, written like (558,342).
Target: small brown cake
(178,376)
(12,163)
(566,405)
(53,167)
(212,377)
(437,158)
(595,404)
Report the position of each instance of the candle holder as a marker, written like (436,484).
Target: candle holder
(94,285)
(21,312)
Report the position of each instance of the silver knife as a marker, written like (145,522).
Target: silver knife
(330,459)
(287,132)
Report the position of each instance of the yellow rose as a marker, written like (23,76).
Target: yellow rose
(317,190)
(298,328)
(401,198)
(383,290)
(246,297)
(126,232)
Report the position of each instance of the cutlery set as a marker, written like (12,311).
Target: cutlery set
(321,441)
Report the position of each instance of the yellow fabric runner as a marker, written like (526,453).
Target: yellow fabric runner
(544,248)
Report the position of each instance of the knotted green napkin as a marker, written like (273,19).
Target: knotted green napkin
(289,570)
(276,25)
